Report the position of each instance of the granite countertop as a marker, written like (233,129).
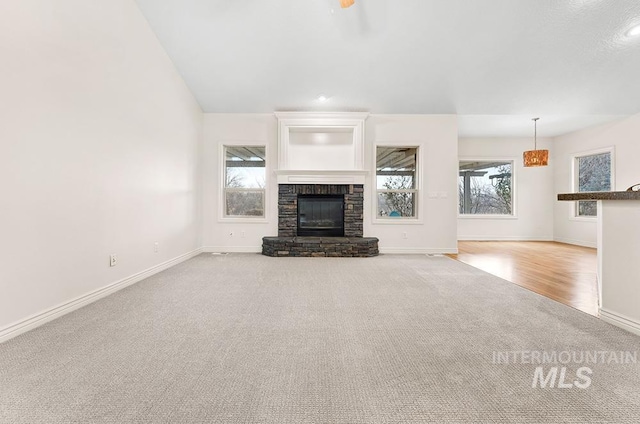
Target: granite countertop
(601,195)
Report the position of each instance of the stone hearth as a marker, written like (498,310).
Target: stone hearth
(362,247)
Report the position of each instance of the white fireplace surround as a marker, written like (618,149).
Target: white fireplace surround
(321,148)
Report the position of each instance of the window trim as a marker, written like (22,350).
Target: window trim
(514,190)
(573,211)
(418,218)
(222,198)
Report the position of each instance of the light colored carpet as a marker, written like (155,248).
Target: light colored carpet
(245,338)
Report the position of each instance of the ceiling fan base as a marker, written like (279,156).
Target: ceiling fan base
(346,3)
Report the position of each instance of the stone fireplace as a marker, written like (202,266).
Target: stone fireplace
(293,238)
(288,207)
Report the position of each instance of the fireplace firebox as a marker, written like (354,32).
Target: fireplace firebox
(321,215)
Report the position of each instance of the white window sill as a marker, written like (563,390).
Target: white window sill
(592,219)
(471,216)
(243,220)
(397,221)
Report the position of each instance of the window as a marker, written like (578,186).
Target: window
(592,172)
(485,187)
(244,181)
(396,180)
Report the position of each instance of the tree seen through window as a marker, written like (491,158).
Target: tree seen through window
(485,188)
(396,182)
(594,174)
(244,180)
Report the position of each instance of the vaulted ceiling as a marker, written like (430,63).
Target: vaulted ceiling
(571,61)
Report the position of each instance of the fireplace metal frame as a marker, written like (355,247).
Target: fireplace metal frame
(323,232)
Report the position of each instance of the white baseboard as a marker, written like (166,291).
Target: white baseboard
(417,251)
(621,321)
(503,238)
(41,318)
(576,242)
(232,249)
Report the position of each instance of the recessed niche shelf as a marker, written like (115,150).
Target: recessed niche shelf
(320,142)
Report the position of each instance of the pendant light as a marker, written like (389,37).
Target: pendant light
(535,157)
(346,3)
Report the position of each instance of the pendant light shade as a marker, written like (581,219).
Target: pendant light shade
(535,157)
(346,3)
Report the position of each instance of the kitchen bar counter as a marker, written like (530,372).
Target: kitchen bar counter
(618,255)
(601,195)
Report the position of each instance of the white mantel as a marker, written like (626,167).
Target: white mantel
(287,176)
(321,148)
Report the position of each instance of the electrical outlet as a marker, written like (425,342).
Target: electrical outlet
(156,247)
(113,259)
(242,234)
(404,235)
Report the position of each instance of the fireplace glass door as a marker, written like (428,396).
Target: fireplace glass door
(321,215)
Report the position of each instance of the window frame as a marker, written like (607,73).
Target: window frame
(417,190)
(223,189)
(575,179)
(514,191)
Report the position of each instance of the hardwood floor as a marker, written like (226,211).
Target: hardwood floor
(562,272)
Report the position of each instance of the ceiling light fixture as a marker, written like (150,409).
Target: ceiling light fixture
(634,31)
(346,3)
(322,98)
(535,157)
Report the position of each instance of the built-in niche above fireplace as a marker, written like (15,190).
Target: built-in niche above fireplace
(320,141)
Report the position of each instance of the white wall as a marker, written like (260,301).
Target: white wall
(100,140)
(237,234)
(619,262)
(623,135)
(436,135)
(534,195)
(437,139)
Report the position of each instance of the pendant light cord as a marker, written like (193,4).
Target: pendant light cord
(535,133)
